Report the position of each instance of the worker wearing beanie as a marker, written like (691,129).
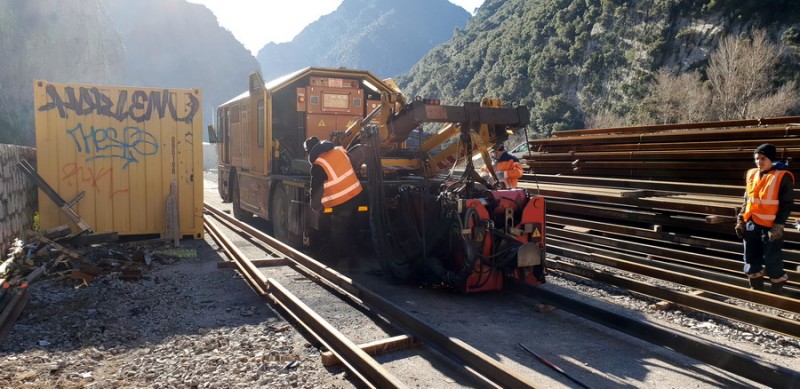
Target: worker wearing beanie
(507,164)
(334,184)
(767,204)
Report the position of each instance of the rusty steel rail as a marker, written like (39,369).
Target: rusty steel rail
(712,153)
(670,258)
(661,201)
(741,155)
(681,126)
(607,182)
(674,136)
(672,201)
(735,145)
(728,177)
(613,259)
(358,362)
(723,249)
(485,367)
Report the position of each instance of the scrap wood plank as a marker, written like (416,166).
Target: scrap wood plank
(79,275)
(146,242)
(131,274)
(56,232)
(65,206)
(90,239)
(72,253)
(12,310)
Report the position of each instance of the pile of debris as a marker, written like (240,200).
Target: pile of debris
(78,258)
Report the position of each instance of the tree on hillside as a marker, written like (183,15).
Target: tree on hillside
(742,84)
(678,98)
(741,73)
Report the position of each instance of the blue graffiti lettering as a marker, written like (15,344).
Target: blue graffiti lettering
(99,143)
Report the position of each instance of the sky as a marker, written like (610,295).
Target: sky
(258,22)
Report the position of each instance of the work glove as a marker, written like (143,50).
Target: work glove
(739,228)
(776,232)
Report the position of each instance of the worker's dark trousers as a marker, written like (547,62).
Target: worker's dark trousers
(760,253)
(343,230)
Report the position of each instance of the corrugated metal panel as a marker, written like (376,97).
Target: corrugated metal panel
(123,146)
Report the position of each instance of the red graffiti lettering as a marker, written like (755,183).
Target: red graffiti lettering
(91,178)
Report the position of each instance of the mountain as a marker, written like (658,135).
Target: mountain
(56,41)
(176,44)
(573,60)
(570,61)
(385,37)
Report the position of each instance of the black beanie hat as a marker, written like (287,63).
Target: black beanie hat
(768,149)
(311,142)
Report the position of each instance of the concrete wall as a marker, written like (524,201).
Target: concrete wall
(18,201)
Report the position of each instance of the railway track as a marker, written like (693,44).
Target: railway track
(487,371)
(597,226)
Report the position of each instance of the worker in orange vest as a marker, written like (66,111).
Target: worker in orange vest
(767,204)
(335,185)
(507,166)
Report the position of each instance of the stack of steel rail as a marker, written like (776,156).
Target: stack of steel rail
(661,201)
(709,153)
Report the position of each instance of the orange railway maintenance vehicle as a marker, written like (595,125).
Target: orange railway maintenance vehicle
(426,223)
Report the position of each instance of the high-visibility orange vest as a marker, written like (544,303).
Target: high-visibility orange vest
(342,183)
(512,169)
(762,196)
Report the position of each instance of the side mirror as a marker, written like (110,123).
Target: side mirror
(212,134)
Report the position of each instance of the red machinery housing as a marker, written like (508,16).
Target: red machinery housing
(501,237)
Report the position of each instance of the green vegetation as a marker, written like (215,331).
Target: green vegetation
(579,63)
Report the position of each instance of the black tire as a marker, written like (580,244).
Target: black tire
(238,212)
(280,217)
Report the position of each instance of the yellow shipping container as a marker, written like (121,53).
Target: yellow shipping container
(122,146)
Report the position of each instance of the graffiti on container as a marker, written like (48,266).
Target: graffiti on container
(140,106)
(92,178)
(129,144)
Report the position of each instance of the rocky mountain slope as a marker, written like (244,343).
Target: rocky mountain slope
(42,40)
(385,37)
(571,60)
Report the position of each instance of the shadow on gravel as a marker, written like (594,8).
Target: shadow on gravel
(600,357)
(603,357)
(187,297)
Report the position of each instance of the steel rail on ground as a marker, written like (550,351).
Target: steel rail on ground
(690,300)
(478,363)
(624,262)
(358,362)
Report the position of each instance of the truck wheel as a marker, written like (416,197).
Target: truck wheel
(280,217)
(238,212)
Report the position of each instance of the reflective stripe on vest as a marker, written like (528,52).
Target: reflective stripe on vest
(342,183)
(513,171)
(762,196)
